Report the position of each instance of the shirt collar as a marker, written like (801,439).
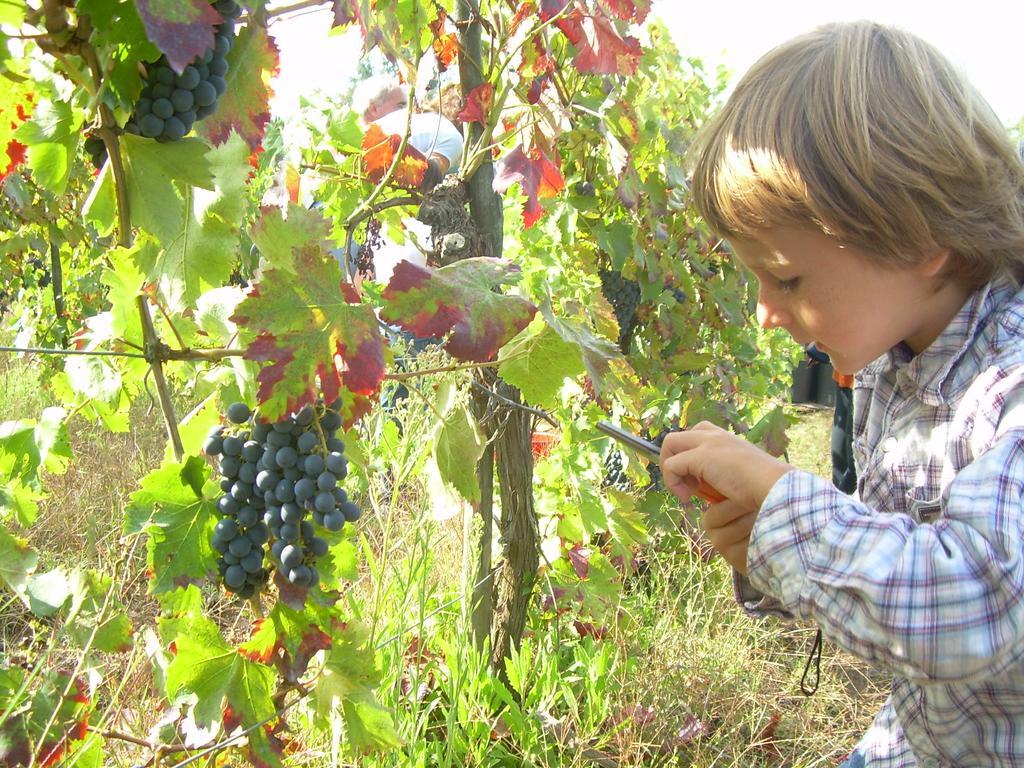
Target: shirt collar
(935,375)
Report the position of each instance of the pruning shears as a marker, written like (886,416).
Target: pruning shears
(653,452)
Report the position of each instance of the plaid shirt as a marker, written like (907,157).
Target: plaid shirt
(922,573)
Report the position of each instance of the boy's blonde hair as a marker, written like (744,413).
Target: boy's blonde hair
(870,135)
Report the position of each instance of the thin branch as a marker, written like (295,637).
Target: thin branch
(395,161)
(403,375)
(106,734)
(540,414)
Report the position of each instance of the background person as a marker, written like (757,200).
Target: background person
(880,204)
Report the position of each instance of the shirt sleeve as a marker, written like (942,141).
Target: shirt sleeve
(933,602)
(429,132)
(435,134)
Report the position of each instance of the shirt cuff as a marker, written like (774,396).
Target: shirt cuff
(782,540)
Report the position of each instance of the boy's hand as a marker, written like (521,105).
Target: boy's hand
(727,526)
(740,471)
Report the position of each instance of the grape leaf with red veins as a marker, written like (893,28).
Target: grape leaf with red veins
(478,104)
(183,30)
(458,301)
(313,332)
(245,106)
(537,175)
(16,103)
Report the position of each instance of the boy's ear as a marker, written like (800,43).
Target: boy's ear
(934,262)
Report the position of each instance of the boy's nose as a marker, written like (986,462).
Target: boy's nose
(770,316)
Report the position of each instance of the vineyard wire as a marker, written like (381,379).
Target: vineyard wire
(95,352)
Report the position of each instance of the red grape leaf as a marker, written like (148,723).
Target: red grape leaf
(525,10)
(478,104)
(182,29)
(313,332)
(458,301)
(379,151)
(551,8)
(599,47)
(537,176)
(446,44)
(245,105)
(629,10)
(536,67)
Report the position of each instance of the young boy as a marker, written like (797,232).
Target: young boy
(880,204)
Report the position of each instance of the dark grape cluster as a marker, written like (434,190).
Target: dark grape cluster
(615,472)
(624,296)
(170,103)
(97,151)
(42,271)
(273,476)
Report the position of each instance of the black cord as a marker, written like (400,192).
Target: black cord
(813,657)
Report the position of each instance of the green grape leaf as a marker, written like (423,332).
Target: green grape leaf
(600,354)
(770,432)
(538,361)
(226,686)
(96,614)
(174,507)
(117,26)
(341,562)
(459,302)
(27,447)
(157,175)
(313,332)
(346,686)
(245,106)
(52,137)
(20,501)
(201,252)
(17,561)
(278,238)
(47,592)
(459,446)
(12,12)
(182,29)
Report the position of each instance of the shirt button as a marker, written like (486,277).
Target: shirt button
(890,444)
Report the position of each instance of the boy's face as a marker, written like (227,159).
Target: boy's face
(833,294)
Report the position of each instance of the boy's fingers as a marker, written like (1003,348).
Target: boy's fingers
(725,512)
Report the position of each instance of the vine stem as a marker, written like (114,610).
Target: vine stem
(152,342)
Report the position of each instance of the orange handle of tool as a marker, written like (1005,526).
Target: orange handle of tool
(708,492)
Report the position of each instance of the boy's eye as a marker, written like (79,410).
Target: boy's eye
(788,285)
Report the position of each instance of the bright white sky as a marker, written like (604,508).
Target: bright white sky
(984,37)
